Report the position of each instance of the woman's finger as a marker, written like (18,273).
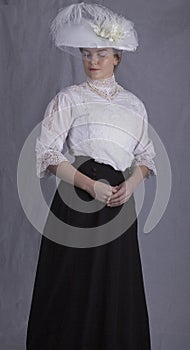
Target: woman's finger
(120,200)
(117,201)
(118,194)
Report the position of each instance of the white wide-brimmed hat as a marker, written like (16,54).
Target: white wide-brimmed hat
(92,26)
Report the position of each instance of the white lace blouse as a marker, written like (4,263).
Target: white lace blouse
(79,120)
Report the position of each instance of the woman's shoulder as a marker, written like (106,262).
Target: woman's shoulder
(69,94)
(132,100)
(129,94)
(69,90)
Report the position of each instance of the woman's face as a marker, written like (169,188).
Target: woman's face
(99,63)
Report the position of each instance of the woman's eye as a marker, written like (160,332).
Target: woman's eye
(86,55)
(102,54)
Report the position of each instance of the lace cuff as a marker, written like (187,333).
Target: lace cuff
(50,157)
(149,163)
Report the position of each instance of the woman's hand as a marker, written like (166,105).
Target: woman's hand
(101,191)
(124,192)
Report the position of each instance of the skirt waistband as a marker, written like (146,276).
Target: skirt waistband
(96,171)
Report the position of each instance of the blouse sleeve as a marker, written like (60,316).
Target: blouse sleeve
(144,151)
(54,130)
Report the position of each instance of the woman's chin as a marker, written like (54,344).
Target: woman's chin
(96,74)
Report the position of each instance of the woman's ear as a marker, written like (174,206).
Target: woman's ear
(119,57)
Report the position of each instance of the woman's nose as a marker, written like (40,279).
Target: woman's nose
(93,58)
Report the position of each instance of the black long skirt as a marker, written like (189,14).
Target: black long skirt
(89,292)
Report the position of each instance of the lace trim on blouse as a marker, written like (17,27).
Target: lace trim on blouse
(47,122)
(149,163)
(107,85)
(50,157)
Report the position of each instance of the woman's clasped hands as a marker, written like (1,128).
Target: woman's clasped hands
(121,195)
(113,196)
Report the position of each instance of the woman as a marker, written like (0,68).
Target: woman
(89,291)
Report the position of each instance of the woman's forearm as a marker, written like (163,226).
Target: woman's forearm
(68,173)
(138,174)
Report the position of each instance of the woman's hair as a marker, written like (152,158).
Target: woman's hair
(118,55)
(116,52)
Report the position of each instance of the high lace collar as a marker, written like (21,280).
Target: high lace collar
(107,86)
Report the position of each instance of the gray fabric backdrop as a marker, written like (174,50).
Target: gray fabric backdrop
(31,72)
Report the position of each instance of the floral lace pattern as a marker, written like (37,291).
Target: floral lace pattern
(50,157)
(48,120)
(149,163)
(107,86)
(46,157)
